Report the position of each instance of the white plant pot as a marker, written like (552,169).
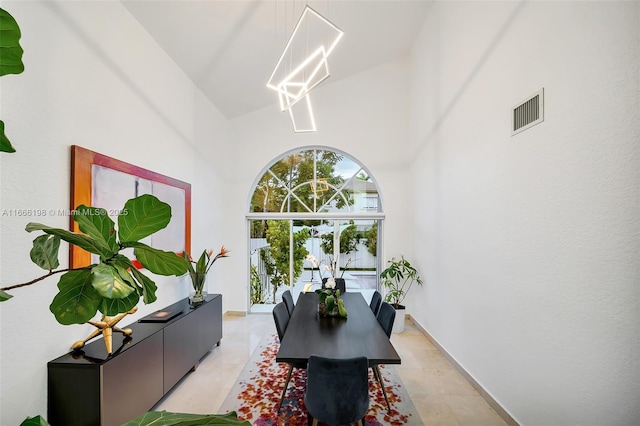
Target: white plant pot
(398,323)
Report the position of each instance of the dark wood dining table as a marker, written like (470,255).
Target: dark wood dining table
(359,334)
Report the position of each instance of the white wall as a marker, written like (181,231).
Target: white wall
(93,78)
(365,116)
(529,245)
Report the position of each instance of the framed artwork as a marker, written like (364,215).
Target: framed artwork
(101,181)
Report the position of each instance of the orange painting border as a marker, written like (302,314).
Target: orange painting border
(82,160)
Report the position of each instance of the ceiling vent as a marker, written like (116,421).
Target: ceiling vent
(528,113)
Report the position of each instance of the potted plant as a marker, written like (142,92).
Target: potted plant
(114,285)
(198,274)
(398,278)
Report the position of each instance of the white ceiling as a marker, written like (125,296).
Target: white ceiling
(229,47)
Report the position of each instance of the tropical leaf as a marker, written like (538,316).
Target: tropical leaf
(4,296)
(144,216)
(108,282)
(158,261)
(148,286)
(83,241)
(95,222)
(5,144)
(77,301)
(113,307)
(163,418)
(34,421)
(10,50)
(45,251)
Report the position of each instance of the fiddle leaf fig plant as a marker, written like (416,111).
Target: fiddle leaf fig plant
(10,61)
(113,285)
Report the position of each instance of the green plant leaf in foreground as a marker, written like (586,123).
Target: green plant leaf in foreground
(80,240)
(98,225)
(163,418)
(34,421)
(5,144)
(4,296)
(108,282)
(141,217)
(158,261)
(10,50)
(45,252)
(112,307)
(77,302)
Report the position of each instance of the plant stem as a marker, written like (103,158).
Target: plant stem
(39,278)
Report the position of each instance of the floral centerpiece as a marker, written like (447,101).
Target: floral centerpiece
(199,273)
(329,302)
(331,268)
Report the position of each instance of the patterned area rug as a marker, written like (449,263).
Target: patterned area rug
(256,394)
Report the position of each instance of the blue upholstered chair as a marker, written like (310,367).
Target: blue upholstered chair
(386,317)
(281,318)
(376,299)
(287,298)
(337,390)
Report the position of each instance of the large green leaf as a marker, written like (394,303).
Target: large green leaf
(10,50)
(108,282)
(45,251)
(113,307)
(158,261)
(148,286)
(95,222)
(77,301)
(34,421)
(163,418)
(141,217)
(4,296)
(5,144)
(83,241)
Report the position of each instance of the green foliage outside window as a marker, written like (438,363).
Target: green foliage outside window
(276,258)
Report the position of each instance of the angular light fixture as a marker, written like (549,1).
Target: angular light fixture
(302,116)
(298,71)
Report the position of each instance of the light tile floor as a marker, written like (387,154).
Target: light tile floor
(441,395)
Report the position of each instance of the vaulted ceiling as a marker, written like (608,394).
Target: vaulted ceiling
(229,48)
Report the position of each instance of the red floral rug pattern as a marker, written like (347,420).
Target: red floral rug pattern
(256,394)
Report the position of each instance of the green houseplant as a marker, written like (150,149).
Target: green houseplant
(10,61)
(398,278)
(113,285)
(198,274)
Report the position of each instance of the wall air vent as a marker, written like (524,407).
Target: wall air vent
(528,113)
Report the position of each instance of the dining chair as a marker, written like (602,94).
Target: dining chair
(281,318)
(386,317)
(376,299)
(287,298)
(337,390)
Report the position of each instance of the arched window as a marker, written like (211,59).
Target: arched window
(319,202)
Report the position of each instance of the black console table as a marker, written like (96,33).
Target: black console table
(89,388)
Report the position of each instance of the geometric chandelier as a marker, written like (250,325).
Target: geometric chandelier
(303,65)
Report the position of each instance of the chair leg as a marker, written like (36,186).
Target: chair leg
(384,392)
(285,386)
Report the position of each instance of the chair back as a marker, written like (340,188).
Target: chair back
(376,300)
(281,318)
(287,298)
(386,317)
(337,389)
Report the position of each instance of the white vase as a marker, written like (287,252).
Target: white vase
(398,323)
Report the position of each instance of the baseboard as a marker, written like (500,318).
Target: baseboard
(483,393)
(236,313)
